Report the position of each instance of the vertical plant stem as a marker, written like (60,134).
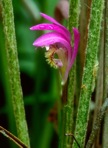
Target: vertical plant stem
(67,115)
(13,71)
(97,124)
(74,10)
(105,131)
(99,83)
(8,105)
(83,21)
(90,59)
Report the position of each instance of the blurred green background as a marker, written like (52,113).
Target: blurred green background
(39,81)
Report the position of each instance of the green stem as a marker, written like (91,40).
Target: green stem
(7,109)
(67,113)
(105,131)
(97,124)
(90,59)
(13,71)
(74,11)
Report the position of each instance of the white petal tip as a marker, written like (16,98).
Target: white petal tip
(47,47)
(31,28)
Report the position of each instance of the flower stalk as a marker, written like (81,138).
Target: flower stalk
(68,109)
(13,71)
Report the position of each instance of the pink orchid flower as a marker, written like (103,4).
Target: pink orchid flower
(59,52)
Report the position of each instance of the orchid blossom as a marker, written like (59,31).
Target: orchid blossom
(59,52)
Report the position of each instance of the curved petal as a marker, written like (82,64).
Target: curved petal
(55,22)
(54,27)
(47,17)
(74,54)
(52,38)
(76,43)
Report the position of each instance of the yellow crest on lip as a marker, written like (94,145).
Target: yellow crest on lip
(49,54)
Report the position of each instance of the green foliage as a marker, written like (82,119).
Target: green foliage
(49,119)
(38,80)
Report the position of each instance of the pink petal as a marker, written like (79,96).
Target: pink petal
(49,18)
(55,22)
(52,38)
(74,54)
(54,27)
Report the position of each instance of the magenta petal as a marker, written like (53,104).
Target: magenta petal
(54,27)
(55,22)
(49,18)
(76,43)
(44,26)
(50,39)
(74,54)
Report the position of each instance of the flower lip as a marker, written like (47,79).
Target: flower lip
(52,58)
